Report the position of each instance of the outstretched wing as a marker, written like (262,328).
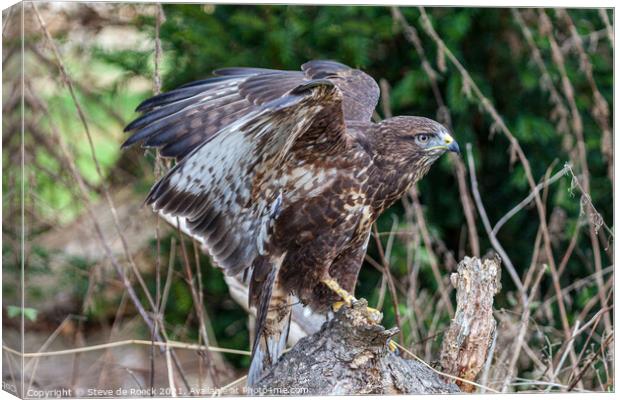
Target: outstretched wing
(182,119)
(360,92)
(226,189)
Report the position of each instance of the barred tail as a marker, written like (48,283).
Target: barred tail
(273,319)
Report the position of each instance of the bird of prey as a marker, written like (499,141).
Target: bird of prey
(280,175)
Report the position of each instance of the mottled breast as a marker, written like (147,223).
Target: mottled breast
(319,199)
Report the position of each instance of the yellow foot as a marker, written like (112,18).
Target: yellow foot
(392,346)
(335,287)
(373,314)
(337,306)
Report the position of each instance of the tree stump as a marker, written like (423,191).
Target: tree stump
(465,346)
(349,355)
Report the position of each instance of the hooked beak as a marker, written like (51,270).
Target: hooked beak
(454,147)
(451,144)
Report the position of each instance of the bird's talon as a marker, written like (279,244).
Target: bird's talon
(373,315)
(392,347)
(338,305)
(335,287)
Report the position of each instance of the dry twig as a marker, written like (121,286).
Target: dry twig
(443,115)
(610,29)
(388,275)
(487,226)
(426,237)
(529,198)
(577,127)
(170,343)
(85,198)
(600,108)
(515,146)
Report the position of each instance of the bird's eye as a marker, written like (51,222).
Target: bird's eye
(422,138)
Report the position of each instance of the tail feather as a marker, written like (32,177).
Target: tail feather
(273,318)
(268,349)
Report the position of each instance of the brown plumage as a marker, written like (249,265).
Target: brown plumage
(280,174)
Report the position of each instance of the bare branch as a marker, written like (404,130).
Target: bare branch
(443,115)
(528,199)
(426,237)
(610,29)
(501,125)
(487,226)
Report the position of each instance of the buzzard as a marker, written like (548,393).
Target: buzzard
(280,175)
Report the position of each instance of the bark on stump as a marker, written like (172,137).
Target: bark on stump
(349,355)
(466,344)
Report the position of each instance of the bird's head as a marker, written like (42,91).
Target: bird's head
(414,142)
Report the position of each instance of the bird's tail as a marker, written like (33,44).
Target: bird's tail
(273,318)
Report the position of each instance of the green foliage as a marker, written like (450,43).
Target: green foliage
(15,311)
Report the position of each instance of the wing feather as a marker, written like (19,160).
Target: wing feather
(230,134)
(216,188)
(360,92)
(192,114)
(183,92)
